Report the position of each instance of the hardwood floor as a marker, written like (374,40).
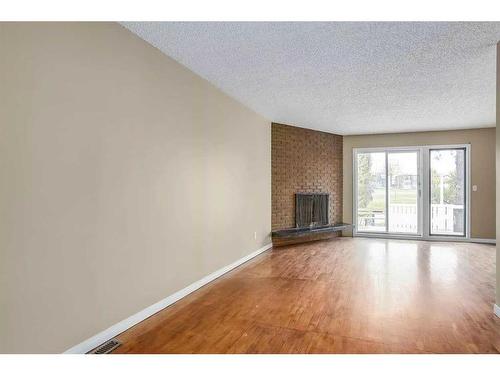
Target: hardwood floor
(339,296)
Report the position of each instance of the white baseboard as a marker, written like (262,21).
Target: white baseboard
(102,337)
(496,310)
(429,238)
(484,240)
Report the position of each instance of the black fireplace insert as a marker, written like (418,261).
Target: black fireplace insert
(311,210)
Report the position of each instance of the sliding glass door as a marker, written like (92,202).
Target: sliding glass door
(403,191)
(411,191)
(387,191)
(372,192)
(447,191)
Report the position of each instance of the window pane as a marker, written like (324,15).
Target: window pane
(447,191)
(403,191)
(371,192)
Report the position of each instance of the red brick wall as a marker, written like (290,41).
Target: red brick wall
(305,161)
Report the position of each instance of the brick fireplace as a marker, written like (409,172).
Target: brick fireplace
(304,161)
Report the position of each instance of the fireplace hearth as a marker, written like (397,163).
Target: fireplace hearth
(311,221)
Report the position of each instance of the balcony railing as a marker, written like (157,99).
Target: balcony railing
(445,219)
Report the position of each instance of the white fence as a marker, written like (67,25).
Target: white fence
(443,219)
(403,219)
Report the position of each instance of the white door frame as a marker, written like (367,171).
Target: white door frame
(423,191)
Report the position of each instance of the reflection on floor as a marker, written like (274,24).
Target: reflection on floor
(339,296)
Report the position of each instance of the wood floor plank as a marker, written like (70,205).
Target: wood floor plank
(346,295)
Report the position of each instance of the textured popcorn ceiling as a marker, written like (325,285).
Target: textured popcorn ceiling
(345,78)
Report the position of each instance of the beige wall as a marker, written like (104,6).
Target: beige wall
(482,164)
(124,177)
(498,175)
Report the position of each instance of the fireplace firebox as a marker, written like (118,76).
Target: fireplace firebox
(311,209)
